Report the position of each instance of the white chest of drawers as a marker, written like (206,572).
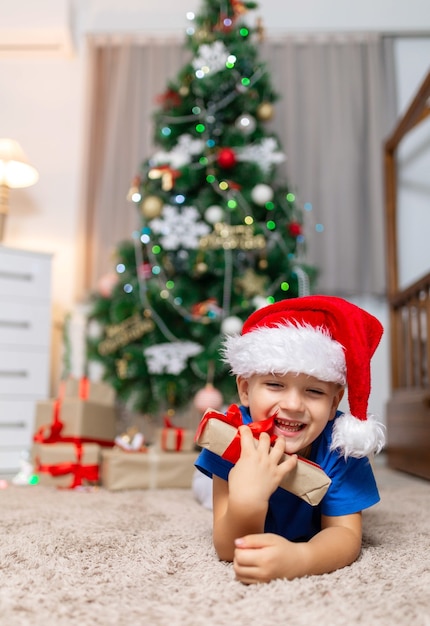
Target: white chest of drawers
(25,338)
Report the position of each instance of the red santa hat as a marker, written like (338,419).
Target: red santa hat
(322,336)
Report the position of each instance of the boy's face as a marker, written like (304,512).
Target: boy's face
(303,405)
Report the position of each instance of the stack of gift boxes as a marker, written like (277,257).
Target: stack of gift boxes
(71,431)
(168,463)
(75,444)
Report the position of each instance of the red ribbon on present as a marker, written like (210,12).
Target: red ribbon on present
(56,426)
(80,472)
(51,433)
(233,417)
(84,388)
(179,434)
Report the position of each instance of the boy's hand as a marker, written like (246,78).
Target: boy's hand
(261,557)
(258,472)
(264,557)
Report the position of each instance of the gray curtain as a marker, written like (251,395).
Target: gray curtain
(125,77)
(337,105)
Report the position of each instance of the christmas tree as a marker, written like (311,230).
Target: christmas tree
(220,235)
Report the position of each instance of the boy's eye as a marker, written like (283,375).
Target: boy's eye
(273,384)
(317,392)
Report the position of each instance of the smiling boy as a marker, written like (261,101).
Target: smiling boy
(293,360)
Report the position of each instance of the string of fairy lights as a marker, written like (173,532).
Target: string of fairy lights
(204,117)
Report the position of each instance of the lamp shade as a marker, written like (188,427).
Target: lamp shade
(15,170)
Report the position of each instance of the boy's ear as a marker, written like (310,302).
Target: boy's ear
(242,389)
(336,401)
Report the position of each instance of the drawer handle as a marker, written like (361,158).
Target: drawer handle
(14,374)
(13,324)
(12,424)
(16,276)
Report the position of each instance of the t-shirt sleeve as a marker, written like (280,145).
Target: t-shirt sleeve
(353,487)
(210,463)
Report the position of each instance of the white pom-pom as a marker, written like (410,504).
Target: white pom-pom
(357,438)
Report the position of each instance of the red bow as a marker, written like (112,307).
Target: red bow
(80,472)
(53,435)
(233,417)
(179,434)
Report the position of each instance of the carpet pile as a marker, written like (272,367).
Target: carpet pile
(146,558)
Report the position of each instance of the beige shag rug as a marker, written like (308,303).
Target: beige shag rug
(145,558)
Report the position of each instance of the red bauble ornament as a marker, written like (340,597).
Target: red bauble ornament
(226,158)
(144,270)
(106,284)
(169,99)
(295,229)
(208,398)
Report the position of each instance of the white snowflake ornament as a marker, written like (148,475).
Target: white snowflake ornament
(265,153)
(181,154)
(170,358)
(212,58)
(179,228)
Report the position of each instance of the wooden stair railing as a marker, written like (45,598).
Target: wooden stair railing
(408,408)
(410,348)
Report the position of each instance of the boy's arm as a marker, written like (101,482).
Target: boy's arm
(232,520)
(240,505)
(264,557)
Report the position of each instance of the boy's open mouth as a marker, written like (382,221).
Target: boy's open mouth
(288,426)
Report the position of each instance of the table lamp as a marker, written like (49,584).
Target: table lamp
(15,171)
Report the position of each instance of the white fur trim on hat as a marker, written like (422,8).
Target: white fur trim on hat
(286,348)
(357,438)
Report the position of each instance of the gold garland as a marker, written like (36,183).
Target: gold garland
(227,237)
(119,335)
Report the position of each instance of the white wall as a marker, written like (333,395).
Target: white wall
(278,15)
(43,98)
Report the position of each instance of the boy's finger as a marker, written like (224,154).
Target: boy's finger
(252,541)
(246,438)
(290,462)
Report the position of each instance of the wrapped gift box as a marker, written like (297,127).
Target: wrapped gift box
(88,390)
(172,439)
(218,433)
(83,419)
(66,464)
(153,469)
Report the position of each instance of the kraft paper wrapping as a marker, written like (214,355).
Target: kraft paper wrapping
(152,469)
(88,390)
(308,481)
(49,458)
(82,419)
(175,439)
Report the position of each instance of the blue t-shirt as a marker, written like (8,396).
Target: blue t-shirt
(353,488)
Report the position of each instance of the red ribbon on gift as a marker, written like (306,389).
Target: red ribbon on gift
(55,427)
(84,388)
(233,417)
(179,434)
(51,433)
(80,472)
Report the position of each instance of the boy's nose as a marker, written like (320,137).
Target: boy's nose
(291,400)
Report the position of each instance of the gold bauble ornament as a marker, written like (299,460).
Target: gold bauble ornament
(201,268)
(151,207)
(265,111)
(203,35)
